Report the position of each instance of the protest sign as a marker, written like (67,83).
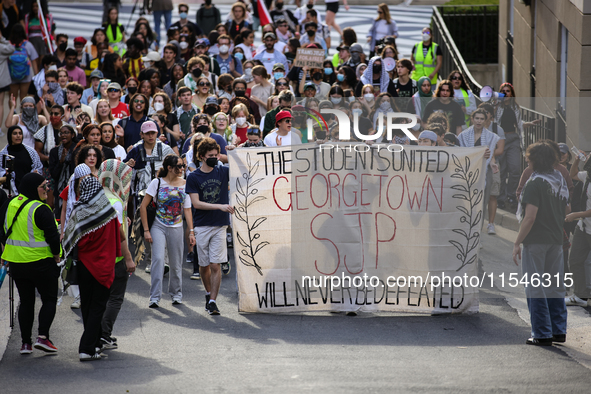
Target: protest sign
(308,57)
(370,219)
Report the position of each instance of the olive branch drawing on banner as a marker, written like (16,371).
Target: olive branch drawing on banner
(248,192)
(471,216)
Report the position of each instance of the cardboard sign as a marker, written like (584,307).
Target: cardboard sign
(308,57)
(371,220)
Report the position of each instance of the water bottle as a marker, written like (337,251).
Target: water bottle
(3,271)
(578,153)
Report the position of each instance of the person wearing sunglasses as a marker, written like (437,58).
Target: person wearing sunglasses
(283,134)
(463,95)
(130,127)
(168,190)
(118,109)
(202,92)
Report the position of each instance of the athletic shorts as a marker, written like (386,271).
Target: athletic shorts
(334,7)
(495,188)
(211,245)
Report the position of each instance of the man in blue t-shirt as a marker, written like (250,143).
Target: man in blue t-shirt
(208,188)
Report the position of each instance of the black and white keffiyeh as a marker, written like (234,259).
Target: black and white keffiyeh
(367,77)
(556,182)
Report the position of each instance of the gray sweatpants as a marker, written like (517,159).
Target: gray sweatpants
(170,239)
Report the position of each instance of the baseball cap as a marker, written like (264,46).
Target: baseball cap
(202,42)
(564,149)
(325,104)
(343,47)
(96,74)
(428,134)
(269,34)
(211,100)
(114,85)
(278,66)
(356,48)
(282,115)
(152,56)
(149,126)
(309,85)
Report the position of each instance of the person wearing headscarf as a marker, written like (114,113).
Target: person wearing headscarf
(375,74)
(421,98)
(33,264)
(360,69)
(115,177)
(93,229)
(29,120)
(24,160)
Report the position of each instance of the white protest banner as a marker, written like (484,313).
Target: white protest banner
(309,57)
(357,228)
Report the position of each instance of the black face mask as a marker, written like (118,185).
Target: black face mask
(239,93)
(62,47)
(310,33)
(317,76)
(196,72)
(203,129)
(211,110)
(132,90)
(278,6)
(310,6)
(212,162)
(377,69)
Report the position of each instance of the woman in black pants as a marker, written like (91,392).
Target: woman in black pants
(33,265)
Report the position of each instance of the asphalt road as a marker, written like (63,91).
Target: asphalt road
(184,350)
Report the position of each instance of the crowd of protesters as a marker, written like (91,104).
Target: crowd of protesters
(127,133)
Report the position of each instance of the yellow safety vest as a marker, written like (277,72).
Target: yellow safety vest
(113,200)
(467,104)
(27,241)
(424,65)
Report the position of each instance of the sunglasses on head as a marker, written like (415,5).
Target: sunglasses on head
(204,84)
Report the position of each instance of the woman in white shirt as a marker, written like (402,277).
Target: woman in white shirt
(108,139)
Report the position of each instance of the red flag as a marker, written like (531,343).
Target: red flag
(264,16)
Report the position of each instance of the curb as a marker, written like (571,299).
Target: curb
(506,220)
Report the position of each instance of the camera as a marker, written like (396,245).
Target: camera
(8,163)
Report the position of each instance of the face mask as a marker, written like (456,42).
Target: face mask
(239,56)
(340,77)
(196,72)
(212,162)
(184,44)
(62,47)
(248,72)
(355,57)
(55,120)
(241,121)
(52,68)
(277,75)
(317,76)
(158,107)
(132,90)
(368,97)
(102,59)
(224,49)
(203,129)
(278,6)
(357,111)
(335,100)
(377,69)
(310,33)
(351,99)
(239,93)
(417,127)
(183,15)
(29,111)
(211,111)
(426,37)
(328,71)
(147,64)
(53,86)
(385,106)
(310,6)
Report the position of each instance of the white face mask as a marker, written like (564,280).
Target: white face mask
(248,72)
(241,121)
(184,44)
(426,37)
(147,64)
(158,107)
(224,49)
(351,99)
(52,68)
(385,106)
(357,111)
(335,100)
(368,97)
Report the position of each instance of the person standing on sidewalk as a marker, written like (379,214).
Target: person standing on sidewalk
(541,211)
(32,262)
(208,188)
(161,8)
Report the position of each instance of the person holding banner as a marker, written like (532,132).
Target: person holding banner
(208,188)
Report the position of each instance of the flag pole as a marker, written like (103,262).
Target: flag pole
(44,26)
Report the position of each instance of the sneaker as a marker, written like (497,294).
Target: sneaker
(559,338)
(166,269)
(491,229)
(76,303)
(26,348)
(190,258)
(108,343)
(229,241)
(45,344)
(89,357)
(207,298)
(148,269)
(226,268)
(212,308)
(177,302)
(153,304)
(196,276)
(539,342)
(100,350)
(574,300)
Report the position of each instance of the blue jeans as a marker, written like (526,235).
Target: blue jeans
(167,22)
(546,305)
